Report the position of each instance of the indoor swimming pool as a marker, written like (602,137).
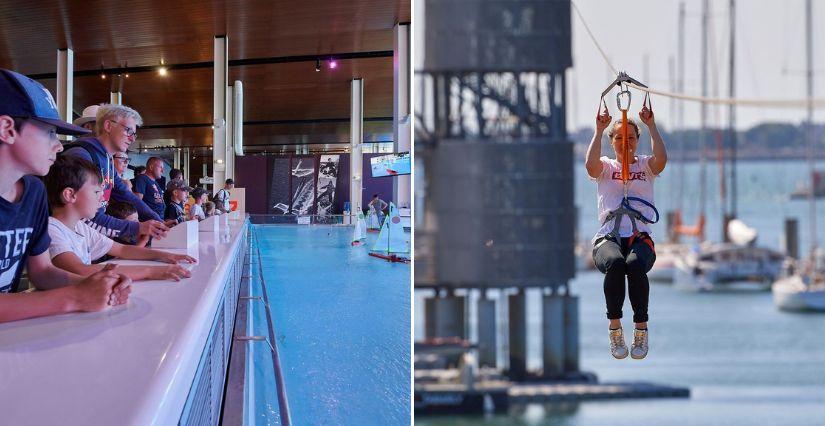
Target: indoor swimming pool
(341,325)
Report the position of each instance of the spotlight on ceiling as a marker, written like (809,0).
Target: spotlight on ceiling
(162,71)
(317,65)
(333,64)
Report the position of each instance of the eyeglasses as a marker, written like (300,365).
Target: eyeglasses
(122,158)
(129,131)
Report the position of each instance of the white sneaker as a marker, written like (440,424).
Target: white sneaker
(617,346)
(639,348)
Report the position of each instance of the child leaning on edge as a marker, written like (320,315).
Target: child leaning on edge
(74,191)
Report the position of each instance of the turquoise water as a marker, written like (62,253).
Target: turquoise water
(342,326)
(745,362)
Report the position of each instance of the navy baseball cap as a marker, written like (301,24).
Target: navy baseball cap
(23,97)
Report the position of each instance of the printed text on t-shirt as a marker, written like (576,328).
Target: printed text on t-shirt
(633,176)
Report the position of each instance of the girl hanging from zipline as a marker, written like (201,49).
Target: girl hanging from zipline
(623,246)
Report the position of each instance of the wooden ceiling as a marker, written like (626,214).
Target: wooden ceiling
(299,103)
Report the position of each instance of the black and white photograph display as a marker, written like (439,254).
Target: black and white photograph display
(327,177)
(303,185)
(279,194)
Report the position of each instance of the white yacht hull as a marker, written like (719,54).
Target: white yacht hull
(791,294)
(725,267)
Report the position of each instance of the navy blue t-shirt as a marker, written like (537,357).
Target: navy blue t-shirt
(152,193)
(24,232)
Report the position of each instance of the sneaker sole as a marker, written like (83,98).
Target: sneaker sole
(620,357)
(638,357)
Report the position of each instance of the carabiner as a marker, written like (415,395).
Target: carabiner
(619,99)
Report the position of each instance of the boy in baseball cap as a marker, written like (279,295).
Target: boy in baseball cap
(29,125)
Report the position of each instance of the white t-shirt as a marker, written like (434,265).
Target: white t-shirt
(196,212)
(83,241)
(610,192)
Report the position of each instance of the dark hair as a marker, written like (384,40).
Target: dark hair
(18,123)
(374,195)
(139,170)
(68,171)
(197,193)
(120,210)
(230,182)
(616,123)
(175,173)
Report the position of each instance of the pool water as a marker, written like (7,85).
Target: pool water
(341,321)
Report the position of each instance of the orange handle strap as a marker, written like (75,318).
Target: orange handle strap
(626,147)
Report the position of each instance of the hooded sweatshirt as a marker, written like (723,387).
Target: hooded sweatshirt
(113,188)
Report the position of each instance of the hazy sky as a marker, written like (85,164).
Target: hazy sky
(770,55)
(769,38)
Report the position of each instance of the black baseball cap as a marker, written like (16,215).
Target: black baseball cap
(23,97)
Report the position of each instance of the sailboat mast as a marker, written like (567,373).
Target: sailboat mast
(681,105)
(704,111)
(731,108)
(810,123)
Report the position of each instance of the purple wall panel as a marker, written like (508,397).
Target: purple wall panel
(251,174)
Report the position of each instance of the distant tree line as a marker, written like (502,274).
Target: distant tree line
(766,140)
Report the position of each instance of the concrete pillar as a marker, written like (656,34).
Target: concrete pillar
(486,331)
(571,333)
(356,142)
(176,159)
(553,335)
(401,109)
(518,335)
(65,84)
(444,317)
(219,83)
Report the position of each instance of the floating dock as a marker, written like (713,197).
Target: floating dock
(498,395)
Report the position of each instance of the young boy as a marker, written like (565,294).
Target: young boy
(126,211)
(74,188)
(196,211)
(178,194)
(208,208)
(29,124)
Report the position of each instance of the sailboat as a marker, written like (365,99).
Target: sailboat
(738,264)
(803,289)
(359,232)
(393,243)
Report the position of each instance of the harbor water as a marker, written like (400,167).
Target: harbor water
(744,361)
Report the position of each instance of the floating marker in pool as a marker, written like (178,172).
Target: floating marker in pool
(392,238)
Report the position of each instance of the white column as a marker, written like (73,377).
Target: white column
(116,98)
(356,142)
(65,80)
(401,128)
(229,148)
(220,81)
(176,159)
(187,173)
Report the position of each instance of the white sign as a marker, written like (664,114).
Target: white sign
(303,220)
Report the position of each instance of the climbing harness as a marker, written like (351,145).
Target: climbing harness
(625,209)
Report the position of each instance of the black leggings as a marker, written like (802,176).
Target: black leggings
(615,260)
